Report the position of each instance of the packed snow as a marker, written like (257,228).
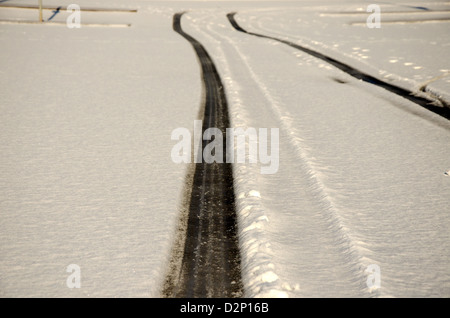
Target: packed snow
(86,175)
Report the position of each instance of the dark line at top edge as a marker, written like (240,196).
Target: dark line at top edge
(81,8)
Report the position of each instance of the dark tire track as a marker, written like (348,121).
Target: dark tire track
(211,259)
(442,111)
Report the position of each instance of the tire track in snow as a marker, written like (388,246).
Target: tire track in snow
(211,261)
(426,103)
(259,273)
(343,238)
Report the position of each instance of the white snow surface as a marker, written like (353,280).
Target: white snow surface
(86,176)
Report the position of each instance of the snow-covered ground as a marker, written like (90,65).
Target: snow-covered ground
(86,175)
(409,49)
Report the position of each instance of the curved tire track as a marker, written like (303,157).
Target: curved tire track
(442,111)
(211,260)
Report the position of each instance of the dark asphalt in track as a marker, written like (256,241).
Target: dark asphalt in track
(211,259)
(442,111)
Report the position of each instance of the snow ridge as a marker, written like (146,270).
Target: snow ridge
(258,270)
(330,212)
